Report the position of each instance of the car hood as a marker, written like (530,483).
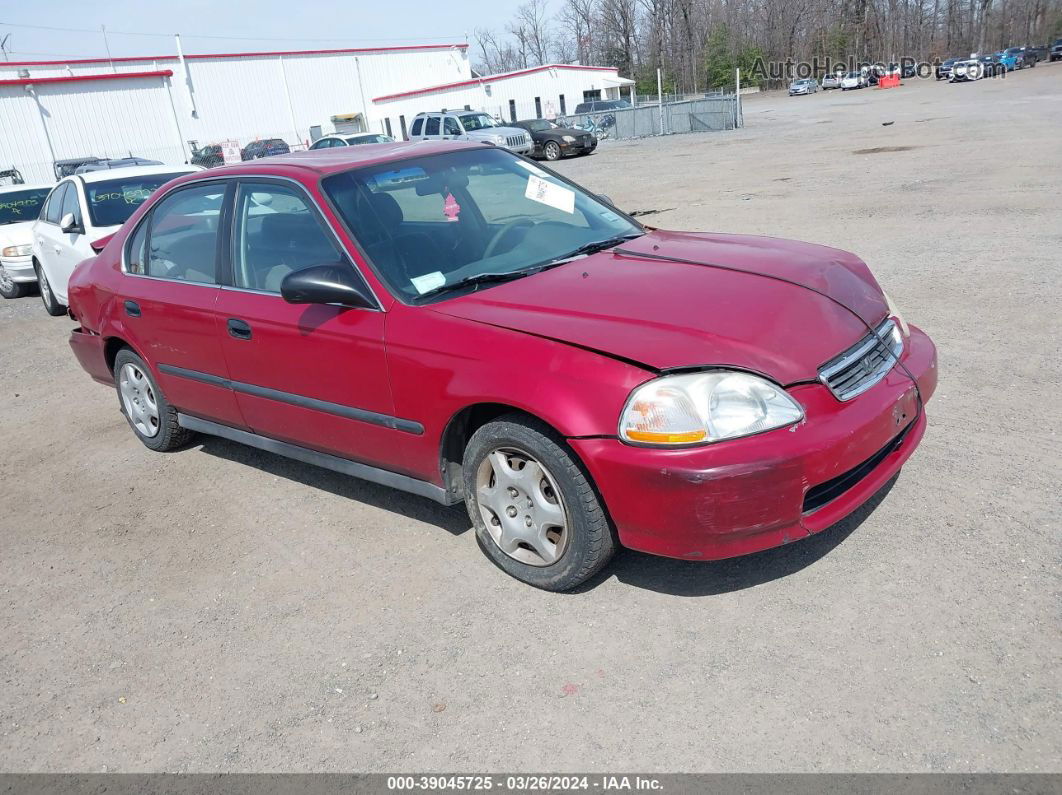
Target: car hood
(565,131)
(662,315)
(492,131)
(18,234)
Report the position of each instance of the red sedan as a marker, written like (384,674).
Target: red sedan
(459,322)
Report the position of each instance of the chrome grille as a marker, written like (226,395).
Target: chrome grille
(864,364)
(517,140)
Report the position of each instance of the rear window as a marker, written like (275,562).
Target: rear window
(112,201)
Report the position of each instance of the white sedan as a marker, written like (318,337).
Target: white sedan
(330,141)
(853,80)
(84,208)
(19,207)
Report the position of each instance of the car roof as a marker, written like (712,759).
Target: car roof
(135,171)
(16,188)
(334,160)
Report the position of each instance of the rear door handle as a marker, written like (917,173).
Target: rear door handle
(239,329)
(132,308)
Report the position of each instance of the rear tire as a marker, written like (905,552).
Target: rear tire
(520,476)
(152,418)
(51,304)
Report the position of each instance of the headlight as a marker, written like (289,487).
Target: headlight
(568,139)
(498,139)
(17,251)
(699,408)
(894,312)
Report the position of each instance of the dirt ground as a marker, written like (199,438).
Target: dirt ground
(224,609)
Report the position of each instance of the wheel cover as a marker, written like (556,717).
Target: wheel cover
(522,507)
(42,282)
(138,399)
(552,150)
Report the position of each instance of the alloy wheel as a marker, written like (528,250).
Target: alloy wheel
(138,400)
(522,507)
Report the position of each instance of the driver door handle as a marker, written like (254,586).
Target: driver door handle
(239,329)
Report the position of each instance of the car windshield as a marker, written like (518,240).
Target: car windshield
(539,125)
(370,139)
(477,121)
(112,201)
(21,205)
(450,221)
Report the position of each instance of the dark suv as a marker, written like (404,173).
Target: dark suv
(266,147)
(599,105)
(1056,50)
(208,156)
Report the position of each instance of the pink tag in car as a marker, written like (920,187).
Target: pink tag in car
(451,209)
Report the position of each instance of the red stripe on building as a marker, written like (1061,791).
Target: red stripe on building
(28,81)
(202,56)
(492,79)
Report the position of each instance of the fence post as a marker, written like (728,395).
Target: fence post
(660,100)
(737,99)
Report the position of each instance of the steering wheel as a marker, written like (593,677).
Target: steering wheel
(501,233)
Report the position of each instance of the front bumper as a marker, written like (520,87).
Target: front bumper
(745,495)
(19,269)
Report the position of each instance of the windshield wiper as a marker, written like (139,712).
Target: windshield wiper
(593,248)
(479,278)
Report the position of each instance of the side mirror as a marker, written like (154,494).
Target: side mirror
(606,199)
(325,284)
(69,225)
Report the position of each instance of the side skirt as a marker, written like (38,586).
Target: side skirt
(307,456)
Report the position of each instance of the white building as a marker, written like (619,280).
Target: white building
(155,107)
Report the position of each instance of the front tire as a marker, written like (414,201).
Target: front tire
(534,510)
(51,303)
(10,288)
(552,150)
(152,418)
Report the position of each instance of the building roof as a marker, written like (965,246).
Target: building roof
(492,79)
(207,56)
(26,81)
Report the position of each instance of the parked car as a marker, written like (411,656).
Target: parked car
(79,211)
(330,141)
(552,141)
(831,81)
(601,105)
(19,207)
(1039,53)
(853,80)
(469,125)
(973,68)
(65,168)
(908,70)
(804,86)
(11,176)
(265,147)
(482,322)
(1056,51)
(208,156)
(944,68)
(992,65)
(1017,58)
(118,162)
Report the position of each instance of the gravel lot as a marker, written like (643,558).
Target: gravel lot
(223,609)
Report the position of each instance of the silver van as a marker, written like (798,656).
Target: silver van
(469,125)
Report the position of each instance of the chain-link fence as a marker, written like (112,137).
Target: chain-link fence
(711,114)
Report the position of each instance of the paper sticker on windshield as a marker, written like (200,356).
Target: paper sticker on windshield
(547,193)
(429,281)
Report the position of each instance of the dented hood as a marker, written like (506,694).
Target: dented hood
(665,315)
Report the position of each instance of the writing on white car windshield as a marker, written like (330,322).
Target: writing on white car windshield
(19,206)
(112,201)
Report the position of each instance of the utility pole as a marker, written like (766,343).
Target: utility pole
(3,45)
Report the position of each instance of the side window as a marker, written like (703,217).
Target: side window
(417,124)
(53,212)
(277,232)
(71,204)
(183,235)
(136,250)
(432,127)
(452,127)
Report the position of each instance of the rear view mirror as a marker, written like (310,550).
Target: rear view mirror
(326,284)
(69,225)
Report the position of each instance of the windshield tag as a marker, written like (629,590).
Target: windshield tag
(429,281)
(549,194)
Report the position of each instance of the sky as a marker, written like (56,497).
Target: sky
(252,24)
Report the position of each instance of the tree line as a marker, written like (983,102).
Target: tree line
(698,43)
